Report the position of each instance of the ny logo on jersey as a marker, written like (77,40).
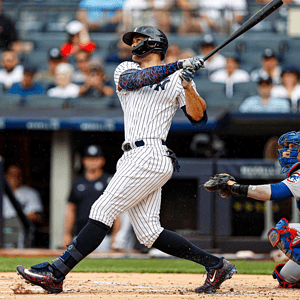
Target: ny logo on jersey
(160,85)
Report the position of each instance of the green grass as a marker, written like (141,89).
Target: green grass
(8,264)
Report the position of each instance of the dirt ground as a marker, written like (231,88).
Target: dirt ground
(115,286)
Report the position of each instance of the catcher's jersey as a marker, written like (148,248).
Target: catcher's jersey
(293,183)
(148,111)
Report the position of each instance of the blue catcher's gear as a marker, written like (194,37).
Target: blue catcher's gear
(282,282)
(286,239)
(285,140)
(155,41)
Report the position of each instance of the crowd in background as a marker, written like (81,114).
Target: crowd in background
(75,70)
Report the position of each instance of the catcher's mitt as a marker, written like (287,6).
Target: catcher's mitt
(218,182)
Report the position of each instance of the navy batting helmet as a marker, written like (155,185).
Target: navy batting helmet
(155,41)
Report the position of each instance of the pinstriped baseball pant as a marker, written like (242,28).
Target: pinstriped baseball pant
(136,188)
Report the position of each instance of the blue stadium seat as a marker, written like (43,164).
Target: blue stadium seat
(292,59)
(10,101)
(245,88)
(184,41)
(217,100)
(258,45)
(236,100)
(205,86)
(250,59)
(37,58)
(45,41)
(44,101)
(93,102)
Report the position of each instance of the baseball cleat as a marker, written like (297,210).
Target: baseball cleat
(216,276)
(42,275)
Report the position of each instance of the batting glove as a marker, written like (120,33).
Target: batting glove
(195,62)
(187,76)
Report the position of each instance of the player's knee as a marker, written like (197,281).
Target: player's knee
(283,278)
(149,238)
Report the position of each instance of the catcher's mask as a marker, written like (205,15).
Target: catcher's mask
(155,41)
(290,143)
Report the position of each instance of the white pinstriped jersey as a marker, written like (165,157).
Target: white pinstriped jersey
(142,171)
(148,111)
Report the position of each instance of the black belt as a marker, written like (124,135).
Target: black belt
(127,147)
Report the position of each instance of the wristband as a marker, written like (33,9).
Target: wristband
(239,189)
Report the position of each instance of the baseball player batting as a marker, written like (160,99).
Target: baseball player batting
(284,235)
(150,93)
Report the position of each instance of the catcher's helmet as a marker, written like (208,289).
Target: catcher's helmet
(155,41)
(290,143)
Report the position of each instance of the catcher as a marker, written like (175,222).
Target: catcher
(285,236)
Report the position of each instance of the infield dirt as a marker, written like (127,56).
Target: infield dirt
(147,286)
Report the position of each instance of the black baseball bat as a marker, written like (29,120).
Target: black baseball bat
(255,19)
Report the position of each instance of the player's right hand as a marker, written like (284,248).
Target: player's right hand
(194,62)
(187,74)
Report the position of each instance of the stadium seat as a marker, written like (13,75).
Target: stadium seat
(236,100)
(45,41)
(205,86)
(92,102)
(10,101)
(217,100)
(251,59)
(44,101)
(37,58)
(292,59)
(184,41)
(245,88)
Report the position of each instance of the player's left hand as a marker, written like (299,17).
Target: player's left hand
(187,76)
(220,182)
(194,62)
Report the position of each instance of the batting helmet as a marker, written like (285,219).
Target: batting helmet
(155,41)
(290,143)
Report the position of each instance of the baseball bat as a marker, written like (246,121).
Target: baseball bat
(255,19)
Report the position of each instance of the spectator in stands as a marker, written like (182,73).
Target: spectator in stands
(27,86)
(120,54)
(78,39)
(215,62)
(63,79)
(209,17)
(100,15)
(230,74)
(82,59)
(8,32)
(86,189)
(47,76)
(28,198)
(11,71)
(172,54)
(97,84)
(264,102)
(289,88)
(270,67)
(147,12)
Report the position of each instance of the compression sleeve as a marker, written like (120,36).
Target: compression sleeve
(280,191)
(135,79)
(199,123)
